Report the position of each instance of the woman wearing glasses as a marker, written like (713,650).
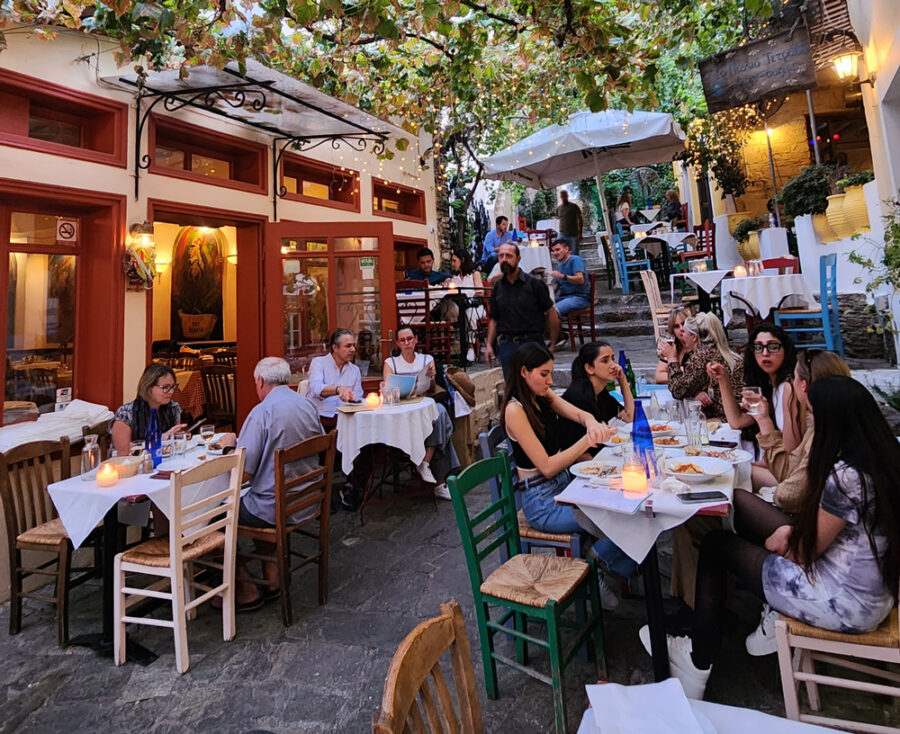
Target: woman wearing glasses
(440,456)
(154,394)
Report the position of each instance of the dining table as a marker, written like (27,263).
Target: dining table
(651,214)
(533,257)
(636,533)
(763,293)
(658,243)
(706,282)
(83,504)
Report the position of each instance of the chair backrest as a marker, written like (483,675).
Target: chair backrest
(416,690)
(186,363)
(490,444)
(491,527)
(197,510)
(651,287)
(621,260)
(684,215)
(25,473)
(218,383)
(412,310)
(104,437)
(828,281)
(706,237)
(784,265)
(308,491)
(226,356)
(41,376)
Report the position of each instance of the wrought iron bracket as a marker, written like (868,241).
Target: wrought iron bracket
(358,142)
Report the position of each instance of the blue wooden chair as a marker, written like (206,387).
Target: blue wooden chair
(628,269)
(824,320)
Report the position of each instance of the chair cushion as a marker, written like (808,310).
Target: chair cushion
(155,552)
(48,533)
(884,636)
(526,531)
(811,311)
(535,580)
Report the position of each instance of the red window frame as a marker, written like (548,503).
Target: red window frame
(317,171)
(411,200)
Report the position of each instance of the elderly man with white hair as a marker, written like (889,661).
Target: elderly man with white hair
(282,418)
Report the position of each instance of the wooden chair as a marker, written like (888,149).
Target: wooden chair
(185,363)
(706,244)
(43,384)
(104,437)
(801,645)
(227,357)
(202,520)
(784,265)
(628,269)
(659,311)
(310,492)
(33,525)
(525,586)
(585,318)
(681,224)
(610,261)
(219,387)
(416,689)
(435,337)
(826,318)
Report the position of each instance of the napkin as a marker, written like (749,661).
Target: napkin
(674,485)
(661,708)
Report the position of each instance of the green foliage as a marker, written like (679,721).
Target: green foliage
(854,179)
(807,192)
(715,146)
(742,230)
(891,396)
(886,270)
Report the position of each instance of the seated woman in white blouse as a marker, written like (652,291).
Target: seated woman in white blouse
(440,456)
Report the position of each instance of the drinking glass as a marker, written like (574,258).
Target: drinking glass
(181,441)
(167,447)
(752,396)
(90,458)
(640,383)
(136,448)
(395,395)
(207,431)
(693,431)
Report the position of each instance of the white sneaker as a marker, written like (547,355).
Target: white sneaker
(442,491)
(762,640)
(609,600)
(425,472)
(681,666)
(470,355)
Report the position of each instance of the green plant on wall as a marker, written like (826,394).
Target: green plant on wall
(807,192)
(885,270)
(854,179)
(742,230)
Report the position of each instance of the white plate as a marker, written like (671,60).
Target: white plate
(680,443)
(711,468)
(583,469)
(732,456)
(672,429)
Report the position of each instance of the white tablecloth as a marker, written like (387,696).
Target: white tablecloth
(404,427)
(635,228)
(651,214)
(764,292)
(705,279)
(82,504)
(532,257)
(51,426)
(652,243)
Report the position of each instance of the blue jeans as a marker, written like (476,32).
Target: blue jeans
(571,239)
(488,263)
(505,351)
(567,304)
(542,512)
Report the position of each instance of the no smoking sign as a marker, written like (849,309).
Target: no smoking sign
(66,231)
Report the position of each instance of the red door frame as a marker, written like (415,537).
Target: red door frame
(277,231)
(251,287)
(99,280)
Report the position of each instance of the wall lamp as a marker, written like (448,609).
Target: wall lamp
(846,62)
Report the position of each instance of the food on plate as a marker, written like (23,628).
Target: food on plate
(214,446)
(667,441)
(713,426)
(599,470)
(165,450)
(618,439)
(721,454)
(685,467)
(692,451)
(661,427)
(201,457)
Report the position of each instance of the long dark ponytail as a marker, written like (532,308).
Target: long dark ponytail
(529,356)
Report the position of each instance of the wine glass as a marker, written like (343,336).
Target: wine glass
(752,396)
(207,431)
(136,448)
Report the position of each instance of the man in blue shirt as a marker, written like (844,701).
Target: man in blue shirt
(570,280)
(493,240)
(425,270)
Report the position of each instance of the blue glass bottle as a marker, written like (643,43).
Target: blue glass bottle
(623,360)
(641,435)
(153,442)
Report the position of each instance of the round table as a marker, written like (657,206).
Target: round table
(405,427)
(765,292)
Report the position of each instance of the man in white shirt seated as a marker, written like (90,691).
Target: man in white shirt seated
(333,381)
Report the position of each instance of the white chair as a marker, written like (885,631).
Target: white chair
(197,526)
(659,311)
(801,645)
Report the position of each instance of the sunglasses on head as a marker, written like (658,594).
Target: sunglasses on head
(770,347)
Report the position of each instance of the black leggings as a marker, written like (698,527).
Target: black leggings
(742,555)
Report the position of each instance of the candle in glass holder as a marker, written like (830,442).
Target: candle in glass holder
(533,243)
(372,400)
(452,285)
(634,479)
(107,475)
(740,271)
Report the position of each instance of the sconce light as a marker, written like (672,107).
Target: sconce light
(847,65)
(232,258)
(162,266)
(142,235)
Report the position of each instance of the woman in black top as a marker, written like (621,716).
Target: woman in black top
(593,368)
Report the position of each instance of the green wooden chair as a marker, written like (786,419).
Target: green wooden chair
(536,587)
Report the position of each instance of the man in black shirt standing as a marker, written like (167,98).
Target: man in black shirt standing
(521,308)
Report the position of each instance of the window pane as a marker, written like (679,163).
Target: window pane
(36,229)
(54,131)
(359,308)
(289,245)
(212,167)
(290,184)
(168,158)
(305,309)
(40,327)
(315,190)
(355,243)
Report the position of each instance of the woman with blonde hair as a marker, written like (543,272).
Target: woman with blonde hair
(677,346)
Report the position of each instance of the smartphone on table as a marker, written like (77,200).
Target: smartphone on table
(712,495)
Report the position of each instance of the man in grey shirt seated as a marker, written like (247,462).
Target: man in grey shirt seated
(282,418)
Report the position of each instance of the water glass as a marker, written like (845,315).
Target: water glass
(181,441)
(207,431)
(395,395)
(136,448)
(167,447)
(90,458)
(693,431)
(640,383)
(752,396)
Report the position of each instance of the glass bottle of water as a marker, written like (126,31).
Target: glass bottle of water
(641,435)
(90,458)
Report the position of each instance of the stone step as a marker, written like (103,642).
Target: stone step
(635,327)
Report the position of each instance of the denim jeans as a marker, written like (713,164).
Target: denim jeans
(567,304)
(572,239)
(505,351)
(488,263)
(542,512)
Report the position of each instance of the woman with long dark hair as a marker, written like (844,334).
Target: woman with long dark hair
(154,394)
(836,564)
(467,277)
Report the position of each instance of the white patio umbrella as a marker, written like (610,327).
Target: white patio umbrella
(591,143)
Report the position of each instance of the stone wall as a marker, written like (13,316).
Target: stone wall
(858,321)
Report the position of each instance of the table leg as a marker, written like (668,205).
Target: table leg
(703,300)
(655,618)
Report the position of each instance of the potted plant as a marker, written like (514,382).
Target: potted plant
(746,233)
(807,193)
(855,210)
